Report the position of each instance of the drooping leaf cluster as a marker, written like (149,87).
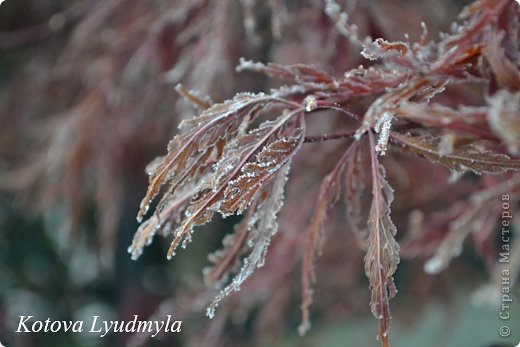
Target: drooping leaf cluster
(235,156)
(85,114)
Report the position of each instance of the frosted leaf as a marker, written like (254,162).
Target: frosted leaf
(381,48)
(162,220)
(226,260)
(236,190)
(189,151)
(382,254)
(254,174)
(261,229)
(473,156)
(306,77)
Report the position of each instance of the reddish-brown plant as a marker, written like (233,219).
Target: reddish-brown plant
(235,156)
(92,99)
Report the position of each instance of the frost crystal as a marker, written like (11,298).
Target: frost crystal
(310,103)
(244,64)
(382,127)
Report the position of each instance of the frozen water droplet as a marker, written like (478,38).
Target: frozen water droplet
(310,103)
(210,312)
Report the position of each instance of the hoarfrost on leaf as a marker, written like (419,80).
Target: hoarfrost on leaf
(382,127)
(261,228)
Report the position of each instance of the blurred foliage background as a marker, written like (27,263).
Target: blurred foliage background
(87,100)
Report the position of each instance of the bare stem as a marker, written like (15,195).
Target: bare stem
(327,137)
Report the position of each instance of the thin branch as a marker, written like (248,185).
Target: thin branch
(328,137)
